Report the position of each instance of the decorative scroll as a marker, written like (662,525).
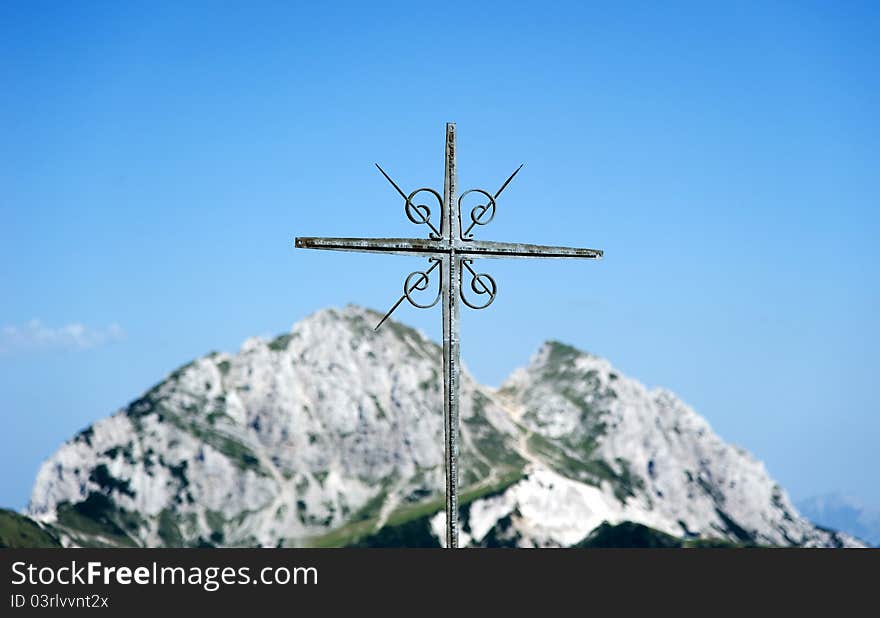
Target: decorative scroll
(416,281)
(479,212)
(420,214)
(481,283)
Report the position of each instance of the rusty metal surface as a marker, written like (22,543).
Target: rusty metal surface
(492,249)
(452,250)
(450,290)
(471,248)
(398,246)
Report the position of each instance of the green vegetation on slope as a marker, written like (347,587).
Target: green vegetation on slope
(407,525)
(20,531)
(98,522)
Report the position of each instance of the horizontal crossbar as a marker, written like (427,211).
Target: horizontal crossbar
(422,246)
(491,249)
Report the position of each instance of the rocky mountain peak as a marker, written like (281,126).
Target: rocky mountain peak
(332,434)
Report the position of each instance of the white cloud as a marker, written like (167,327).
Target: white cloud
(34,335)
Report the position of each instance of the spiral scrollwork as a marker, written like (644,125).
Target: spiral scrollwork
(420,214)
(481,214)
(481,283)
(416,281)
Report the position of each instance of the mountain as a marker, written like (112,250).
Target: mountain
(846,513)
(332,434)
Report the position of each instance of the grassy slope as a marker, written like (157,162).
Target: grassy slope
(18,531)
(406,521)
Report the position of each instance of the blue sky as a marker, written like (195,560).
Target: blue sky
(158,158)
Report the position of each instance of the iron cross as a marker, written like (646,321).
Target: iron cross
(452,250)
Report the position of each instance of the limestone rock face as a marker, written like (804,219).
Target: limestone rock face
(330,432)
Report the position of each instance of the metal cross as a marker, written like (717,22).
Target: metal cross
(453,250)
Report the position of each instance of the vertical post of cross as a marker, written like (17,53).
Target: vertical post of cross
(450,292)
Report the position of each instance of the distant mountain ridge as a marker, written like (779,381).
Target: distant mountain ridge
(332,434)
(845,513)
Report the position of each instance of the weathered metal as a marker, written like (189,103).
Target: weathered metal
(453,250)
